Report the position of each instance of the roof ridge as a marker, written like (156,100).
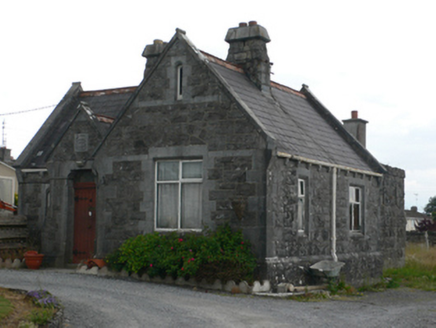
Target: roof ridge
(287,89)
(222,62)
(103,92)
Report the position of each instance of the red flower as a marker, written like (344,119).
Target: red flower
(180,240)
(151,265)
(172,247)
(183,269)
(242,243)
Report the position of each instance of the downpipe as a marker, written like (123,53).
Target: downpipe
(333,223)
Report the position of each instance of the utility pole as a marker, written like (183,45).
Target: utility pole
(4,134)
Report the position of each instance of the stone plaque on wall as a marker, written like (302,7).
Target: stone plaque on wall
(80,142)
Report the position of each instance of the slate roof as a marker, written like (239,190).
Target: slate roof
(104,104)
(107,102)
(292,120)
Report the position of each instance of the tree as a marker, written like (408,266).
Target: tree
(430,208)
(426,225)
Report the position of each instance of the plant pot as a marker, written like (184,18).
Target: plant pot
(33,259)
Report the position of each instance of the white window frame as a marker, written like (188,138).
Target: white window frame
(355,202)
(301,207)
(179,82)
(180,181)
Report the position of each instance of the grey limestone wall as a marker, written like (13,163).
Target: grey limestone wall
(290,252)
(79,141)
(32,203)
(393,224)
(206,124)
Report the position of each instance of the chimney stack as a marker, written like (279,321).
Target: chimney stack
(152,52)
(248,49)
(356,127)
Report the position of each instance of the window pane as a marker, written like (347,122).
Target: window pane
(167,205)
(357,194)
(300,187)
(352,194)
(301,213)
(6,190)
(191,206)
(167,171)
(191,170)
(356,217)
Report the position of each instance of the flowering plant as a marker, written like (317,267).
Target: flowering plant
(44,299)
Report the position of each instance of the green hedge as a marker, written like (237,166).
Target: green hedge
(223,254)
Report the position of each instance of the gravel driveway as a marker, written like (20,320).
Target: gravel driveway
(92,301)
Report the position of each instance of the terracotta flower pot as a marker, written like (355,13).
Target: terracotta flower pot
(33,259)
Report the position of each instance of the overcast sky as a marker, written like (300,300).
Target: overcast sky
(377,57)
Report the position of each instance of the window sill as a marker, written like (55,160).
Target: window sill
(301,234)
(176,230)
(357,234)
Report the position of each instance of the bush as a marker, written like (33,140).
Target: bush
(222,254)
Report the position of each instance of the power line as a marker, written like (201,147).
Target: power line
(26,111)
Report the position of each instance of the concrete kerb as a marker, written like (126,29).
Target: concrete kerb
(258,288)
(230,286)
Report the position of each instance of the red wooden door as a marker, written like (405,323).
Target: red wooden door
(84,221)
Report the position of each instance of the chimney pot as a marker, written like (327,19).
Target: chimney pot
(252,23)
(242,24)
(414,209)
(354,114)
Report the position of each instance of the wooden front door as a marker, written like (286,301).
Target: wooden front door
(84,221)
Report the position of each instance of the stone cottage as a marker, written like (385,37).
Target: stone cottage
(202,142)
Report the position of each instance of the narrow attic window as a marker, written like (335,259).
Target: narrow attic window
(179,82)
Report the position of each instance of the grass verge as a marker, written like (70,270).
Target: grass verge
(5,307)
(22,310)
(419,270)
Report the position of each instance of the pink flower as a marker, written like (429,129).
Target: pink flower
(172,248)
(180,240)
(192,259)
(151,265)
(242,243)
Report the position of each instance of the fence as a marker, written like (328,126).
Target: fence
(419,237)
(13,234)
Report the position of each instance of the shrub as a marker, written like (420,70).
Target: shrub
(222,254)
(41,316)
